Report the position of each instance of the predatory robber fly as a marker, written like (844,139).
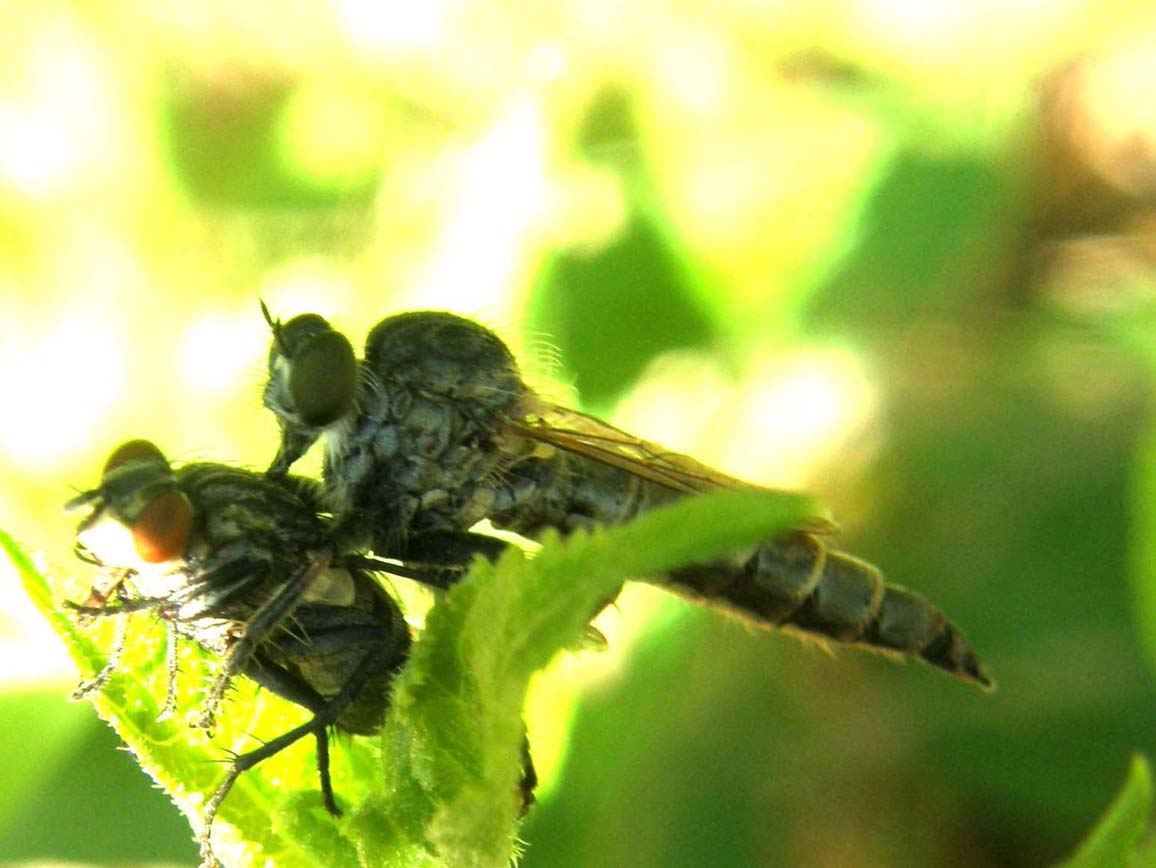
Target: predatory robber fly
(434,430)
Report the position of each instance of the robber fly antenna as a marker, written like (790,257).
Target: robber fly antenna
(274,326)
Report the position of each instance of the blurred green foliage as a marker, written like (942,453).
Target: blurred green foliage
(670,211)
(1117,838)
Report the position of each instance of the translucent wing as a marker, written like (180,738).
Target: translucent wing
(576,432)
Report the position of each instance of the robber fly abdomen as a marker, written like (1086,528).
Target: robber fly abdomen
(795,581)
(792,581)
(441,432)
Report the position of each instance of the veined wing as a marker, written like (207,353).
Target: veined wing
(578,433)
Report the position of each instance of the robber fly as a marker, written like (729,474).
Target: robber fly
(434,430)
(243,566)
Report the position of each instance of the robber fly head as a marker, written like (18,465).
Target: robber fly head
(312,370)
(312,380)
(137,515)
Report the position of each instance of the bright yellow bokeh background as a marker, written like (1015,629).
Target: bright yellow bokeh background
(164,165)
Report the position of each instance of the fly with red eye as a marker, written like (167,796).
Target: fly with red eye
(243,566)
(138,488)
(439,432)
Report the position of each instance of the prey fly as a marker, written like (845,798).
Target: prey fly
(243,566)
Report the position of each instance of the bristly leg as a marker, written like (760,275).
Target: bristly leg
(326,714)
(96,682)
(266,618)
(172,650)
(97,607)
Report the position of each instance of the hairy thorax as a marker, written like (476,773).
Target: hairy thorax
(425,450)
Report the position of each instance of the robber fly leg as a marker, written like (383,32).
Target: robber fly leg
(294,444)
(432,576)
(437,559)
(529,781)
(448,554)
(452,548)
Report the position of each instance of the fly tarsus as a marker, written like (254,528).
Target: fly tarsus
(366,685)
(243,762)
(96,682)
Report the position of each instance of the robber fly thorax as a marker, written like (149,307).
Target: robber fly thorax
(434,430)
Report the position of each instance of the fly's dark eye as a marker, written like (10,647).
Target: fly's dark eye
(323,378)
(291,338)
(133,450)
(163,527)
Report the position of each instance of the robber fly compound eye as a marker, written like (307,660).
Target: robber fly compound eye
(315,366)
(290,337)
(323,379)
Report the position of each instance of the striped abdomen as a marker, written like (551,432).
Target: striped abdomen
(796,581)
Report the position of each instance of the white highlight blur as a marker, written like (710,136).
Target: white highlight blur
(914,22)
(788,416)
(37,154)
(218,350)
(58,383)
(377,25)
(60,120)
(503,193)
(946,30)
(32,656)
(307,285)
(112,543)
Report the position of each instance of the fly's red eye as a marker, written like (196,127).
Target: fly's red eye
(323,379)
(163,527)
(133,450)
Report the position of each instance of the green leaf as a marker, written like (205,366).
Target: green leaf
(1115,841)
(441,787)
(188,764)
(453,745)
